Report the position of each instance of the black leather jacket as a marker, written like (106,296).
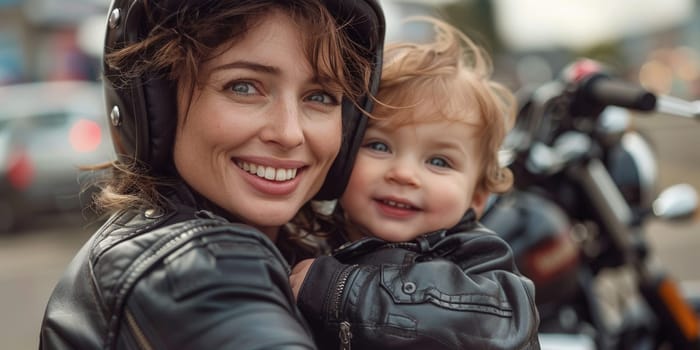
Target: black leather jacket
(456,289)
(181,279)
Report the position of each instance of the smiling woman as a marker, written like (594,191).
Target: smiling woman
(263,109)
(226,118)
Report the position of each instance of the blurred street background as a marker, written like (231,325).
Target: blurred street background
(43,220)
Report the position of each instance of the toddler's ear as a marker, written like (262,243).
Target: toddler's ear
(479,199)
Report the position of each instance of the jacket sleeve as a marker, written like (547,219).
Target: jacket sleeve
(218,292)
(464,292)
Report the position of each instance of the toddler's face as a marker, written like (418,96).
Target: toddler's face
(413,179)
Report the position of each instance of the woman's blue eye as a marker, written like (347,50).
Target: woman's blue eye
(439,162)
(243,88)
(378,146)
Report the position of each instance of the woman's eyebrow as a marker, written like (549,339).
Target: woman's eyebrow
(258,67)
(248,65)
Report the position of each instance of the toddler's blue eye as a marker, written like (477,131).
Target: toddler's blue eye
(439,162)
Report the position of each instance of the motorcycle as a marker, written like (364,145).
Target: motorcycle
(584,188)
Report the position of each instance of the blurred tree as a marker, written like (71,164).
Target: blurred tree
(607,52)
(475,18)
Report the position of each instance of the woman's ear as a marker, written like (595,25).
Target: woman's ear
(479,199)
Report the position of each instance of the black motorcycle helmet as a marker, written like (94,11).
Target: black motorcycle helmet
(141,110)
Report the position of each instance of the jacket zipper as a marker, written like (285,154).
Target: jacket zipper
(138,333)
(344,330)
(340,288)
(121,293)
(345,335)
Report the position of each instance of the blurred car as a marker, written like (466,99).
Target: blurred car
(48,130)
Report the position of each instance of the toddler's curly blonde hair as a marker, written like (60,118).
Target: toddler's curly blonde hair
(452,74)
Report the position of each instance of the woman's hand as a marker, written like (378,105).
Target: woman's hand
(296,278)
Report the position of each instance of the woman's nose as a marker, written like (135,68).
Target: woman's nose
(402,172)
(284,126)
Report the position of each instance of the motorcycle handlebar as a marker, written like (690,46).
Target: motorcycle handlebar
(593,89)
(584,89)
(678,107)
(609,92)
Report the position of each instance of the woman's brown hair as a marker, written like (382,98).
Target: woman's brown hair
(179,40)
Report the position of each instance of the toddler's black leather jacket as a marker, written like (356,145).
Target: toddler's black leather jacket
(178,279)
(450,289)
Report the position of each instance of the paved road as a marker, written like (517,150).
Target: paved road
(30,264)
(676,245)
(32,261)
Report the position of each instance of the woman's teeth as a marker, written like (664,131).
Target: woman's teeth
(269,173)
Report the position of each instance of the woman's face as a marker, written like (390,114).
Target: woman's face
(261,130)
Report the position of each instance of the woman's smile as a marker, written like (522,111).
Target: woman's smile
(271,180)
(268,172)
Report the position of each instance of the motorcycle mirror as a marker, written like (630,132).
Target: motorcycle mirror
(676,202)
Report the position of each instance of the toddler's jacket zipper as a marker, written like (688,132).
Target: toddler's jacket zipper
(340,288)
(344,332)
(345,335)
